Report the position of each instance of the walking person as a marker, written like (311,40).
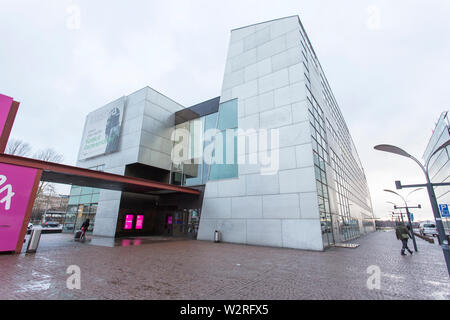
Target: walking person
(84,229)
(403,234)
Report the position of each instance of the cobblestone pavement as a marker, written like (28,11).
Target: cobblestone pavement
(204,270)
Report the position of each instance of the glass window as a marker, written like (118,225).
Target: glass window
(324,178)
(322,164)
(225,170)
(210,123)
(74,200)
(222,168)
(316,159)
(86,199)
(75,191)
(177,178)
(93,208)
(319,189)
(314,132)
(314,144)
(228,115)
(193,174)
(196,138)
(70,217)
(86,190)
(317,171)
(95,197)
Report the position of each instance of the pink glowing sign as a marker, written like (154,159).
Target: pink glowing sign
(128,222)
(169,220)
(5,107)
(16,185)
(139,222)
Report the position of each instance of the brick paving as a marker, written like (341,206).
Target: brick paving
(203,270)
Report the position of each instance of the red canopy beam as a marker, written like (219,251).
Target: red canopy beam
(117,182)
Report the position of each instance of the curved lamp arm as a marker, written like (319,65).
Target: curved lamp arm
(400,152)
(386,190)
(412,193)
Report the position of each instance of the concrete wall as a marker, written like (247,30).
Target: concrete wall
(145,138)
(264,71)
(158,120)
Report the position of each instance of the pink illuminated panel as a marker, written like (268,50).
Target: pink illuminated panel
(139,222)
(128,222)
(16,185)
(169,220)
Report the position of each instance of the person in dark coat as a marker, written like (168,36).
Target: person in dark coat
(403,234)
(84,228)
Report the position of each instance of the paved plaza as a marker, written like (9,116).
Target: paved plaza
(163,268)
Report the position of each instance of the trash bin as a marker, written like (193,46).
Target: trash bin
(217,236)
(33,243)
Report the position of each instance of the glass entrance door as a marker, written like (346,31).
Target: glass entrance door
(179,224)
(184,223)
(193,223)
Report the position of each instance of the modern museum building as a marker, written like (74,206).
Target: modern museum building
(272,156)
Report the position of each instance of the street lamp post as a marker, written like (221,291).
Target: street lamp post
(430,189)
(407,213)
(395,208)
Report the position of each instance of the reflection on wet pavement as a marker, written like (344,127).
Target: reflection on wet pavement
(64,240)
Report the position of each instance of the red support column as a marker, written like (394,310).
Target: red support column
(8,125)
(8,111)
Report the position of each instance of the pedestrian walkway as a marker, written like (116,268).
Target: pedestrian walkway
(204,270)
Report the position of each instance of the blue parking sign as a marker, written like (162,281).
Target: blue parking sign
(444,210)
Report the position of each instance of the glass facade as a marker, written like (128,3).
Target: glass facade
(196,169)
(225,155)
(320,155)
(337,166)
(83,202)
(348,226)
(439,167)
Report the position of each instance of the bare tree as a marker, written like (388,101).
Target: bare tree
(18,147)
(48,155)
(45,190)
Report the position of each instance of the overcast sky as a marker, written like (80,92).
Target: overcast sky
(387,63)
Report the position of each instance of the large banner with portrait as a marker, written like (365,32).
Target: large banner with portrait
(102,130)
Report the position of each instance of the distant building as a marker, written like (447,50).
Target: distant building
(439,167)
(49,207)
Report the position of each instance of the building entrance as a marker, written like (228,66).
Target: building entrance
(183,223)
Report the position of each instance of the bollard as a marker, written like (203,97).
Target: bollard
(33,243)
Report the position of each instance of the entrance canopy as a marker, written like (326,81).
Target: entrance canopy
(60,173)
